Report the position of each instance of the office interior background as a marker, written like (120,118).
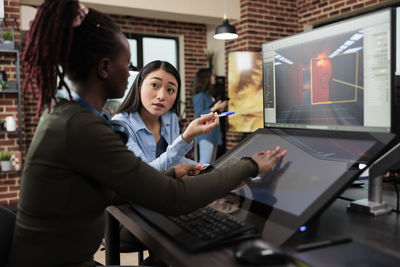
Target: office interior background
(190,24)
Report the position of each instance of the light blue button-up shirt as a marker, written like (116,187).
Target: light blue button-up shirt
(141,140)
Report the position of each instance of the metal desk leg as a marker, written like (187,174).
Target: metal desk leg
(112,240)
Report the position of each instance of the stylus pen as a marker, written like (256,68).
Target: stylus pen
(223,114)
(321,244)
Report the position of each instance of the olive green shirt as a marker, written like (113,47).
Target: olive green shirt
(75,167)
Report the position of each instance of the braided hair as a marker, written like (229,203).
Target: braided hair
(55,48)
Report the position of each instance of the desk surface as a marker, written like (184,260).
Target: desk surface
(163,247)
(382,232)
(361,192)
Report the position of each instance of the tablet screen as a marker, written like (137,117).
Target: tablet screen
(317,166)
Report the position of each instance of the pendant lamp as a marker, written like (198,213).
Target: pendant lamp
(225,31)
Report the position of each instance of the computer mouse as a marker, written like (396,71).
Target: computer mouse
(260,252)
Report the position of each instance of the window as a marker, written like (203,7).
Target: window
(147,48)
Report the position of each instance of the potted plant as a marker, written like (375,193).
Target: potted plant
(8,35)
(3,85)
(210,58)
(5,157)
(7,38)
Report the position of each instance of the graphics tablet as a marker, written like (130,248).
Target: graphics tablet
(316,169)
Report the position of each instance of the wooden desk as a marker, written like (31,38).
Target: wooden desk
(382,232)
(158,242)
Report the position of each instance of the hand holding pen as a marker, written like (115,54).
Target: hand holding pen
(200,126)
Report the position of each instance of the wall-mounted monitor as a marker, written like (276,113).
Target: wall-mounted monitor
(337,77)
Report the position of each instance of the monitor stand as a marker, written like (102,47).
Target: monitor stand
(375,205)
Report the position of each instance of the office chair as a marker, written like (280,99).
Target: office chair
(7,222)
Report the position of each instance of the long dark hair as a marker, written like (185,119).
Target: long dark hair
(55,48)
(132,101)
(202,80)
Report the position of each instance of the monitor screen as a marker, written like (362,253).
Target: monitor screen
(337,77)
(318,165)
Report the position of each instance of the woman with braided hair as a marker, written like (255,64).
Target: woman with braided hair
(76,164)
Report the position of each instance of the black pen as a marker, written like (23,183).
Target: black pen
(322,244)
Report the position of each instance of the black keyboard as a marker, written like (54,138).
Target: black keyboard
(202,229)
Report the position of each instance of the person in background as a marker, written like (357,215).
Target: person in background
(76,164)
(149,114)
(204,103)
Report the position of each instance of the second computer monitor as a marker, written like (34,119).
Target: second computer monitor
(337,77)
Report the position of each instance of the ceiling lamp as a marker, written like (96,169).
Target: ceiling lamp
(225,31)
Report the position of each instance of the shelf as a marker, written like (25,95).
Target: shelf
(12,171)
(6,91)
(9,50)
(12,87)
(5,131)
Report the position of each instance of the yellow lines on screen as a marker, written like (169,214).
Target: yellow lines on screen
(349,84)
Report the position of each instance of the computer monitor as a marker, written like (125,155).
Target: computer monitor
(336,77)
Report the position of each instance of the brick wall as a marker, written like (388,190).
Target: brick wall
(267,20)
(261,21)
(310,11)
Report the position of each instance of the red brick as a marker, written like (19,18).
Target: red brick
(15,200)
(338,6)
(358,6)
(14,188)
(7,195)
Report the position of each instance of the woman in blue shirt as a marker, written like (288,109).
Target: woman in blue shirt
(149,113)
(203,102)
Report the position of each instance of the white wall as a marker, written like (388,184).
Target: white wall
(1,9)
(28,13)
(196,11)
(218,46)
